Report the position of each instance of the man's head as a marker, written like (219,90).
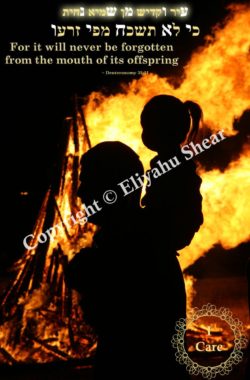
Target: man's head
(103,167)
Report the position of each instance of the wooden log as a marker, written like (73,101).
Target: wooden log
(86,131)
(49,273)
(10,360)
(75,124)
(53,350)
(61,218)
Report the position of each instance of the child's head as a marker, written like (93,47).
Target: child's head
(166,121)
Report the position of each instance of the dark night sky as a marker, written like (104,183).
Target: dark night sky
(35,101)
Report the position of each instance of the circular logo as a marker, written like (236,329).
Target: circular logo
(235,356)
(110,197)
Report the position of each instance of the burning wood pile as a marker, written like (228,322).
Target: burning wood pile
(41,320)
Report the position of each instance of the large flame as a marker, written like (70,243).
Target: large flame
(226,209)
(217,77)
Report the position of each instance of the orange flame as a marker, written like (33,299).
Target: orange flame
(217,77)
(225,208)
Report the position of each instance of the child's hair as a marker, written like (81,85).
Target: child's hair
(167,117)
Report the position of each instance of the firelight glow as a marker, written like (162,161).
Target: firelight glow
(216,77)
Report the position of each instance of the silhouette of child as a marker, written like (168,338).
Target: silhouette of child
(174,196)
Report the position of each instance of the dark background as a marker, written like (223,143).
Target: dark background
(36,99)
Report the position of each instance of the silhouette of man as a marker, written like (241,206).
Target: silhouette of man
(110,276)
(130,296)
